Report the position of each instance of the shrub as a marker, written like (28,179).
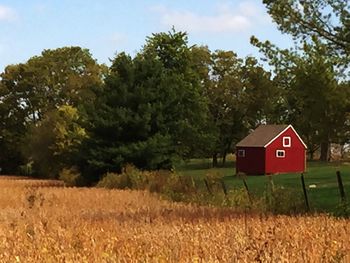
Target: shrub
(71,176)
(26,169)
(157,180)
(342,210)
(214,181)
(282,200)
(138,179)
(114,180)
(132,178)
(179,188)
(238,198)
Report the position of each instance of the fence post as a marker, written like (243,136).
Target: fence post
(208,187)
(223,186)
(269,195)
(341,187)
(305,193)
(246,188)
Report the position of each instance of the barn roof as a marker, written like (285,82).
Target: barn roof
(262,135)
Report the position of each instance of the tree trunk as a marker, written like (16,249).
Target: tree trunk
(311,155)
(324,151)
(215,160)
(224,158)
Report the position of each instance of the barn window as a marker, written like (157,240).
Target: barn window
(280,153)
(286,142)
(241,153)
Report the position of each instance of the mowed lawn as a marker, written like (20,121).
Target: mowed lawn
(323,194)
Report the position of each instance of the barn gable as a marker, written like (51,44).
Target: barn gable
(261,135)
(264,135)
(279,134)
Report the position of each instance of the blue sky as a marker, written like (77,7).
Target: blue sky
(106,27)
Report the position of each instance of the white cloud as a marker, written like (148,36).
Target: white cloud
(226,18)
(7,14)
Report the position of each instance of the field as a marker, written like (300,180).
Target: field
(323,198)
(42,221)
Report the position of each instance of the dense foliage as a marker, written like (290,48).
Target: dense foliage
(62,111)
(328,20)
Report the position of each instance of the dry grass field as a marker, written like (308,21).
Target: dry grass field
(41,221)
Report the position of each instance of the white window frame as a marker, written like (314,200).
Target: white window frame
(241,153)
(289,139)
(281,151)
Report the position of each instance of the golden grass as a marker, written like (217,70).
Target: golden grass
(41,222)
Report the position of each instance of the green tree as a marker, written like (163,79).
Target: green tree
(313,99)
(28,91)
(328,20)
(54,142)
(12,130)
(150,111)
(239,93)
(183,96)
(124,127)
(225,100)
(261,97)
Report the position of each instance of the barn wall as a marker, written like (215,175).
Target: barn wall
(294,160)
(254,161)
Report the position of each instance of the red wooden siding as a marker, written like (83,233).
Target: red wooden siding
(294,160)
(253,162)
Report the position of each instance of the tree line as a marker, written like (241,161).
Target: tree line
(172,101)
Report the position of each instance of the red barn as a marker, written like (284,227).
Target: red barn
(271,149)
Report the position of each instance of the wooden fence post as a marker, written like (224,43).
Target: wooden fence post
(208,187)
(246,188)
(269,195)
(341,187)
(223,186)
(305,193)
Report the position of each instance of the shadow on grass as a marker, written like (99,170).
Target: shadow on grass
(203,164)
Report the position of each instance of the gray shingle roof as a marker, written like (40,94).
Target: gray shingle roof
(261,135)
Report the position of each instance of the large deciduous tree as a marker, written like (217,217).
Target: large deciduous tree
(44,83)
(322,27)
(239,94)
(328,20)
(54,143)
(313,98)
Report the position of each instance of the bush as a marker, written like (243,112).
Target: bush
(26,169)
(71,176)
(175,187)
(238,198)
(133,178)
(179,188)
(157,180)
(342,210)
(114,180)
(214,181)
(138,179)
(282,200)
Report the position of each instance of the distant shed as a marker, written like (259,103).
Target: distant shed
(271,149)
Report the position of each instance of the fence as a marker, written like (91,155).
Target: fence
(294,195)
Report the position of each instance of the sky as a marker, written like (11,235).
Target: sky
(107,27)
